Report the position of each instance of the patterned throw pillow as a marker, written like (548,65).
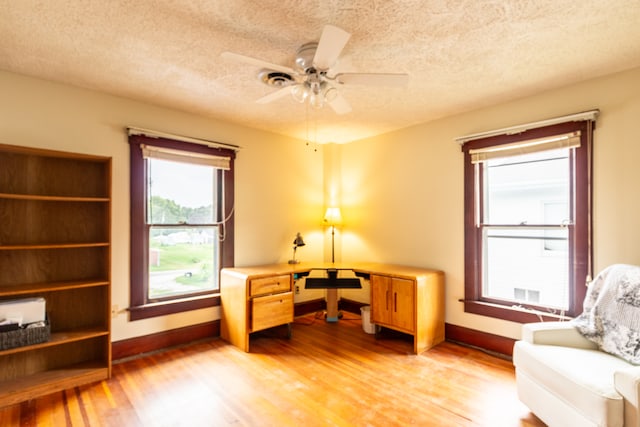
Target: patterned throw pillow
(611,316)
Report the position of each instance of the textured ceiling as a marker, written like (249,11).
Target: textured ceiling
(460,55)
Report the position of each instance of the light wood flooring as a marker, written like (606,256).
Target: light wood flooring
(326,374)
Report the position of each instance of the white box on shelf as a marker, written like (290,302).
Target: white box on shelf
(26,310)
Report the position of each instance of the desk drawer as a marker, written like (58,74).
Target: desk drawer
(271,310)
(270,285)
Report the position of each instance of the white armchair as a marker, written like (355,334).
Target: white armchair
(565,380)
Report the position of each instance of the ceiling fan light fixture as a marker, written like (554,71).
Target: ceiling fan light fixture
(300,93)
(316,93)
(316,100)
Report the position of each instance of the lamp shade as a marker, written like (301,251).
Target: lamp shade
(298,241)
(333,216)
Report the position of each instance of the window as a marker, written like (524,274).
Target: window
(527,222)
(181,224)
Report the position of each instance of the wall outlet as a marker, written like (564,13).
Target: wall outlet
(297,289)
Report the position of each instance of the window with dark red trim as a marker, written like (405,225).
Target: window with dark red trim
(143,303)
(518,227)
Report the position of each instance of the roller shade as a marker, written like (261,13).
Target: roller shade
(154,152)
(568,140)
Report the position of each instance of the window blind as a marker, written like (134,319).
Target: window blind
(154,152)
(568,140)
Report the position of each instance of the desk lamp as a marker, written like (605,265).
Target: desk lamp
(333,217)
(296,243)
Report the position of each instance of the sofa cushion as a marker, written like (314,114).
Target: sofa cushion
(582,378)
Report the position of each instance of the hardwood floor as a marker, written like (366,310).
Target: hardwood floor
(327,374)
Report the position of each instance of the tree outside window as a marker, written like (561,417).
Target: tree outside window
(184,242)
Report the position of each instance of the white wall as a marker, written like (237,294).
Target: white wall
(278,180)
(403,191)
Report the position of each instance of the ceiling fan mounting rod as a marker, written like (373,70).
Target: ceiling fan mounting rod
(305,55)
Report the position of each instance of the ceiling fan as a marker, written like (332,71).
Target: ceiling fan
(312,79)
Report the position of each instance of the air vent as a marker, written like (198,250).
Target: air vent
(275,78)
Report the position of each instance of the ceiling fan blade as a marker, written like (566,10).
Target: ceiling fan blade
(331,43)
(373,79)
(280,93)
(340,104)
(257,62)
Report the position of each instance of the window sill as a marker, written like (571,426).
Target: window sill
(514,314)
(164,308)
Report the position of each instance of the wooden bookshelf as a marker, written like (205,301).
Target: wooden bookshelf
(55,243)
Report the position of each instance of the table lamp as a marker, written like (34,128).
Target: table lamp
(296,243)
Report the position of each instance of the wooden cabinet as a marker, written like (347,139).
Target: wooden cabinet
(393,302)
(411,302)
(253,300)
(55,216)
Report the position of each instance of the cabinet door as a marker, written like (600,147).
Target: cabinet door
(403,304)
(380,299)
(393,302)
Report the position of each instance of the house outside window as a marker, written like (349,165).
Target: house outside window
(516,228)
(181,224)
(528,222)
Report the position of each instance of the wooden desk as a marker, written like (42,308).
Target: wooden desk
(406,299)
